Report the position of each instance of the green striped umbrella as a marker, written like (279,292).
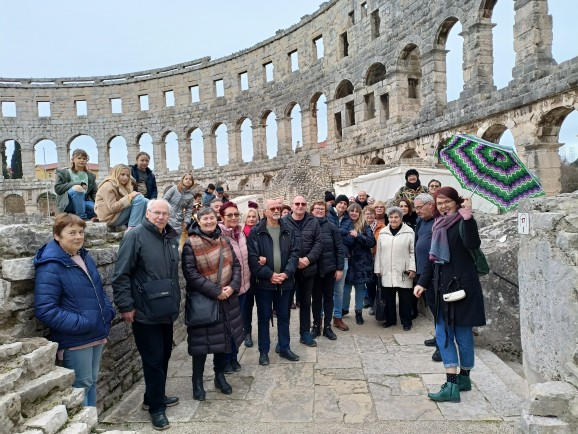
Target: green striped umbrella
(493,171)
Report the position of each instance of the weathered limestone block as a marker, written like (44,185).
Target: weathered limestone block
(59,378)
(551,398)
(74,399)
(9,379)
(9,411)
(18,269)
(104,255)
(41,360)
(543,425)
(87,415)
(50,421)
(20,240)
(9,350)
(76,428)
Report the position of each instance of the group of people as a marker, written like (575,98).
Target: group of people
(313,254)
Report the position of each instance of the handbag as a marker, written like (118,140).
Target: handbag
(158,300)
(379,302)
(451,296)
(201,310)
(477,255)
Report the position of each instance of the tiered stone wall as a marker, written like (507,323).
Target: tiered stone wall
(386,99)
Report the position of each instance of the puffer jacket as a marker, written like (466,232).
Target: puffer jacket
(332,257)
(260,243)
(179,201)
(238,241)
(360,267)
(110,201)
(394,256)
(69,301)
(344,225)
(309,241)
(214,338)
(146,255)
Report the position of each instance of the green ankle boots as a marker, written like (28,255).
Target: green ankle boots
(450,392)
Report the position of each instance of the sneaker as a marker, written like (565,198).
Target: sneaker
(430,342)
(160,421)
(449,392)
(289,355)
(329,334)
(436,356)
(307,339)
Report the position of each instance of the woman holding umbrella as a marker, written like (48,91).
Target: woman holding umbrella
(459,304)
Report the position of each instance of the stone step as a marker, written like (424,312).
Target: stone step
(511,378)
(58,378)
(8,351)
(50,421)
(40,361)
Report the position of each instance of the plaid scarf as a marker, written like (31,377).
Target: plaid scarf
(207,252)
(440,248)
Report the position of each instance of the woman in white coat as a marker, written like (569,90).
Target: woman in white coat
(395,267)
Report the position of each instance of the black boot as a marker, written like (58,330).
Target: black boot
(316,330)
(198,389)
(221,383)
(358,317)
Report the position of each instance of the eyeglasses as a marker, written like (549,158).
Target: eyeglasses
(275,208)
(319,209)
(445,202)
(233,215)
(159,213)
(435,186)
(300,203)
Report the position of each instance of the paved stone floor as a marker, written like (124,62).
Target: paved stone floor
(370,379)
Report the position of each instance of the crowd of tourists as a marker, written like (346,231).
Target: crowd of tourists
(281,257)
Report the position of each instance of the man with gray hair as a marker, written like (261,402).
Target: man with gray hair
(147,294)
(425,208)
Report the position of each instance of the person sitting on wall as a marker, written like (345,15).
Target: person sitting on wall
(146,183)
(69,298)
(75,187)
(411,188)
(116,202)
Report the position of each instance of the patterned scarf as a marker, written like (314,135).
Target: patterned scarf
(440,247)
(207,252)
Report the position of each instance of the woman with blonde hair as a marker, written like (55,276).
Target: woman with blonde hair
(116,202)
(360,269)
(181,199)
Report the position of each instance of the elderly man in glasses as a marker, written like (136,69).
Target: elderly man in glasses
(273,240)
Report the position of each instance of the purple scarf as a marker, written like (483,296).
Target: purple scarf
(440,247)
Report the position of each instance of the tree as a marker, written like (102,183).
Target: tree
(16,162)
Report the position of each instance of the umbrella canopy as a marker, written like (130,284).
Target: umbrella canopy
(493,171)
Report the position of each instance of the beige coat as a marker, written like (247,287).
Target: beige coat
(111,199)
(394,255)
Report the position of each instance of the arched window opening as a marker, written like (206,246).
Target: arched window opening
(449,39)
(271,134)
(375,74)
(564,20)
(11,155)
(197,148)
(569,138)
(172,151)
(145,144)
(46,204)
(377,161)
(118,151)
(502,15)
(246,129)
(409,154)
(89,145)
(344,89)
(296,132)
(320,113)
(222,141)
(45,159)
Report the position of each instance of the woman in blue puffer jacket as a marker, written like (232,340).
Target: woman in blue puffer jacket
(70,300)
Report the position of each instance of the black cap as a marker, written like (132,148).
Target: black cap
(411,172)
(329,196)
(342,198)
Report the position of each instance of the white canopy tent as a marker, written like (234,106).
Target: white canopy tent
(384,184)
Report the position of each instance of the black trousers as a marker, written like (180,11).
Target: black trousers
(323,298)
(405,295)
(219,361)
(371,287)
(155,344)
(304,287)
(247,309)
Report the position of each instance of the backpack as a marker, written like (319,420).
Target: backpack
(477,255)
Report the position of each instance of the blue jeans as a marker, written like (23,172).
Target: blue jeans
(86,364)
(338,292)
(78,205)
(360,293)
(133,215)
(463,336)
(281,302)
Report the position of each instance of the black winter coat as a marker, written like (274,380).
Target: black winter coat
(145,255)
(344,226)
(215,338)
(360,267)
(470,310)
(308,239)
(332,256)
(261,244)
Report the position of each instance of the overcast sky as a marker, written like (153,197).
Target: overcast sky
(66,38)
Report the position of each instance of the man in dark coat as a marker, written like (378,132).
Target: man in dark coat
(146,182)
(273,256)
(425,208)
(307,232)
(147,263)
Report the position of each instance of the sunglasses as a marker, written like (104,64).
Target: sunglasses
(300,203)
(275,208)
(232,215)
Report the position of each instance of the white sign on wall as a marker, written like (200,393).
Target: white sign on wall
(523,223)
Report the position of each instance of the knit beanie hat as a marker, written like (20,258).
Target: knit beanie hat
(342,198)
(329,196)
(411,172)
(252,204)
